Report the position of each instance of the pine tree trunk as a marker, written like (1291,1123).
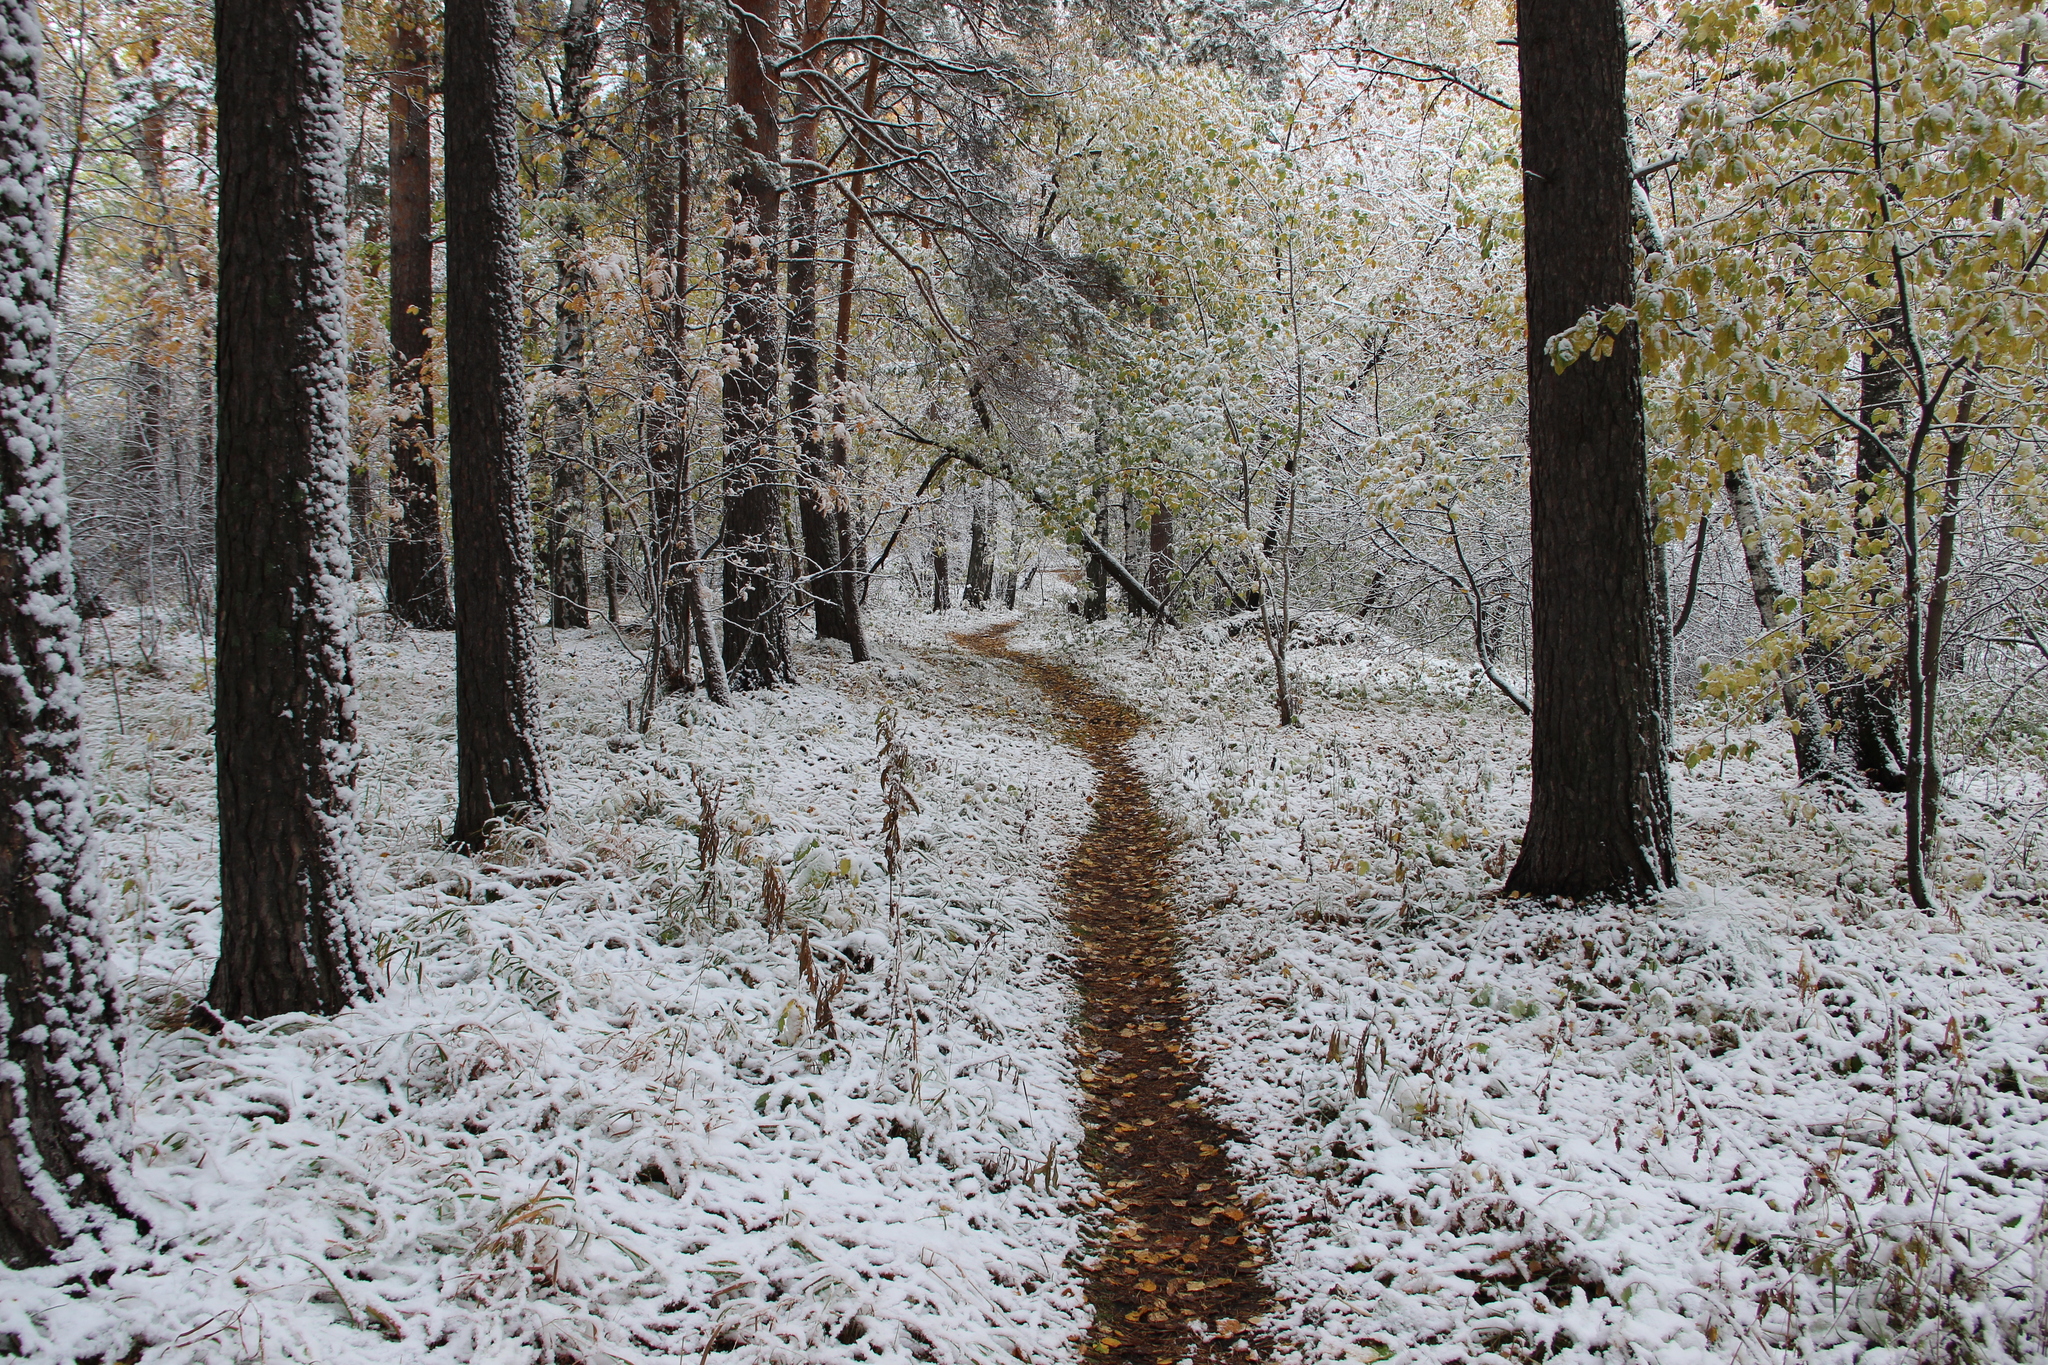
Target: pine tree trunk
(666,189)
(756,653)
(147,458)
(809,417)
(59,1088)
(498,762)
(362,378)
(1600,802)
(942,577)
(416,568)
(284,703)
(568,565)
(851,549)
(664,196)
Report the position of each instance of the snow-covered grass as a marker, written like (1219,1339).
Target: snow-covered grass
(597,1113)
(683,1076)
(1777,1115)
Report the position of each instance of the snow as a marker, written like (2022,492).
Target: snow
(593,1110)
(59,903)
(1776,1113)
(596,1115)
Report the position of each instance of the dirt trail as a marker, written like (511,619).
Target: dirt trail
(1174,1269)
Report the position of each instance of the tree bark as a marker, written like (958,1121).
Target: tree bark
(59,1089)
(756,653)
(499,775)
(663,190)
(1600,802)
(942,576)
(362,377)
(608,552)
(1927,792)
(416,568)
(1159,552)
(981,565)
(567,560)
(697,615)
(148,462)
(1095,592)
(284,702)
(809,414)
(852,590)
(1869,706)
(1812,746)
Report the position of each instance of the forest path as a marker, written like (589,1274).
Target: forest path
(1173,1274)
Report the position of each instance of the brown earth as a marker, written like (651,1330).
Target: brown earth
(1173,1266)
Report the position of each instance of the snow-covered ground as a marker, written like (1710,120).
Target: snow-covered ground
(597,1113)
(1778,1115)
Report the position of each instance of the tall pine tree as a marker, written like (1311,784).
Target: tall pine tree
(58,1089)
(498,762)
(756,650)
(284,704)
(417,590)
(1600,800)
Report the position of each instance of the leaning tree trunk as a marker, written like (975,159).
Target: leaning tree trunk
(1600,800)
(498,763)
(756,653)
(416,569)
(284,700)
(567,561)
(59,1088)
(1812,748)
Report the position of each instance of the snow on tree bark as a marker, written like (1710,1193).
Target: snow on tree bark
(756,651)
(59,1083)
(1600,800)
(498,764)
(567,563)
(285,703)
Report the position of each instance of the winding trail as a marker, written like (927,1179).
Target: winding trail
(1173,1269)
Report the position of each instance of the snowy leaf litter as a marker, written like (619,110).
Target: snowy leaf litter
(1777,1115)
(615,1103)
(598,1114)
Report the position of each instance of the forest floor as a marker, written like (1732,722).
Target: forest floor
(1173,1267)
(1776,1115)
(690,1075)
